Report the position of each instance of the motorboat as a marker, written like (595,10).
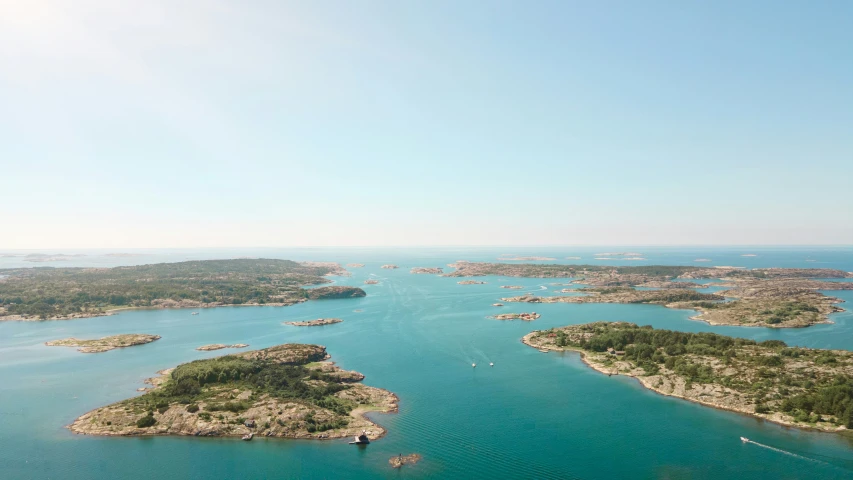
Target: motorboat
(248,437)
(491,364)
(744,439)
(474,365)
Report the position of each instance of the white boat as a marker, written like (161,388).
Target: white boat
(195,313)
(474,365)
(744,439)
(247,437)
(491,364)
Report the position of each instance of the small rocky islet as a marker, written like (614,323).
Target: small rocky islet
(220,346)
(527,317)
(286,391)
(315,323)
(104,344)
(427,270)
(400,460)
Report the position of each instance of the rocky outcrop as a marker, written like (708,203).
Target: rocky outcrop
(471,282)
(527,317)
(220,346)
(389,266)
(426,270)
(400,460)
(315,323)
(104,344)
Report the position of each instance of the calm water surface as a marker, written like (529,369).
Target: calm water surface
(532,415)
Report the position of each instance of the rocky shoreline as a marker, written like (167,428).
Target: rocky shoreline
(734,397)
(234,408)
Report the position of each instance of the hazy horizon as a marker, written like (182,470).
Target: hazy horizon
(210,124)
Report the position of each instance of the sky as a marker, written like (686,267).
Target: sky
(209,123)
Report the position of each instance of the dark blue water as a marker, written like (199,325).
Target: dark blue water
(532,415)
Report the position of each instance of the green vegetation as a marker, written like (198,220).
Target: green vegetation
(61,292)
(205,381)
(807,385)
(787,311)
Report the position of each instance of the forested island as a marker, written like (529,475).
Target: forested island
(60,293)
(285,391)
(768,297)
(802,387)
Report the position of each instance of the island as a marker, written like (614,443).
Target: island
(497,304)
(355,265)
(517,258)
(48,293)
(371,282)
(43,257)
(427,270)
(512,287)
(766,297)
(315,323)
(286,391)
(389,266)
(800,387)
(527,317)
(104,344)
(400,460)
(470,282)
(220,346)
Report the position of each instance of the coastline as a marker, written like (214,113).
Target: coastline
(645,381)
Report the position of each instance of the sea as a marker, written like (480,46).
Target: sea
(532,415)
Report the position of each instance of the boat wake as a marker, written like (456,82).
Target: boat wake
(784,452)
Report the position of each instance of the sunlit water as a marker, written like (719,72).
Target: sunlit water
(532,415)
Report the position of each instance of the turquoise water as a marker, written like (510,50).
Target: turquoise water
(532,415)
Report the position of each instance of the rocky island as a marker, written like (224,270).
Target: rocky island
(104,344)
(470,282)
(220,346)
(400,460)
(389,266)
(315,323)
(801,387)
(64,293)
(371,282)
(355,265)
(527,317)
(286,391)
(427,270)
(768,297)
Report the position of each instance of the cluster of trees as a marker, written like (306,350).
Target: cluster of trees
(835,399)
(788,311)
(288,382)
(57,292)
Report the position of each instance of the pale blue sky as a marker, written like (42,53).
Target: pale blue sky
(209,123)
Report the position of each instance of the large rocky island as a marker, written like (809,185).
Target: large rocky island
(801,387)
(287,391)
(767,297)
(63,293)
